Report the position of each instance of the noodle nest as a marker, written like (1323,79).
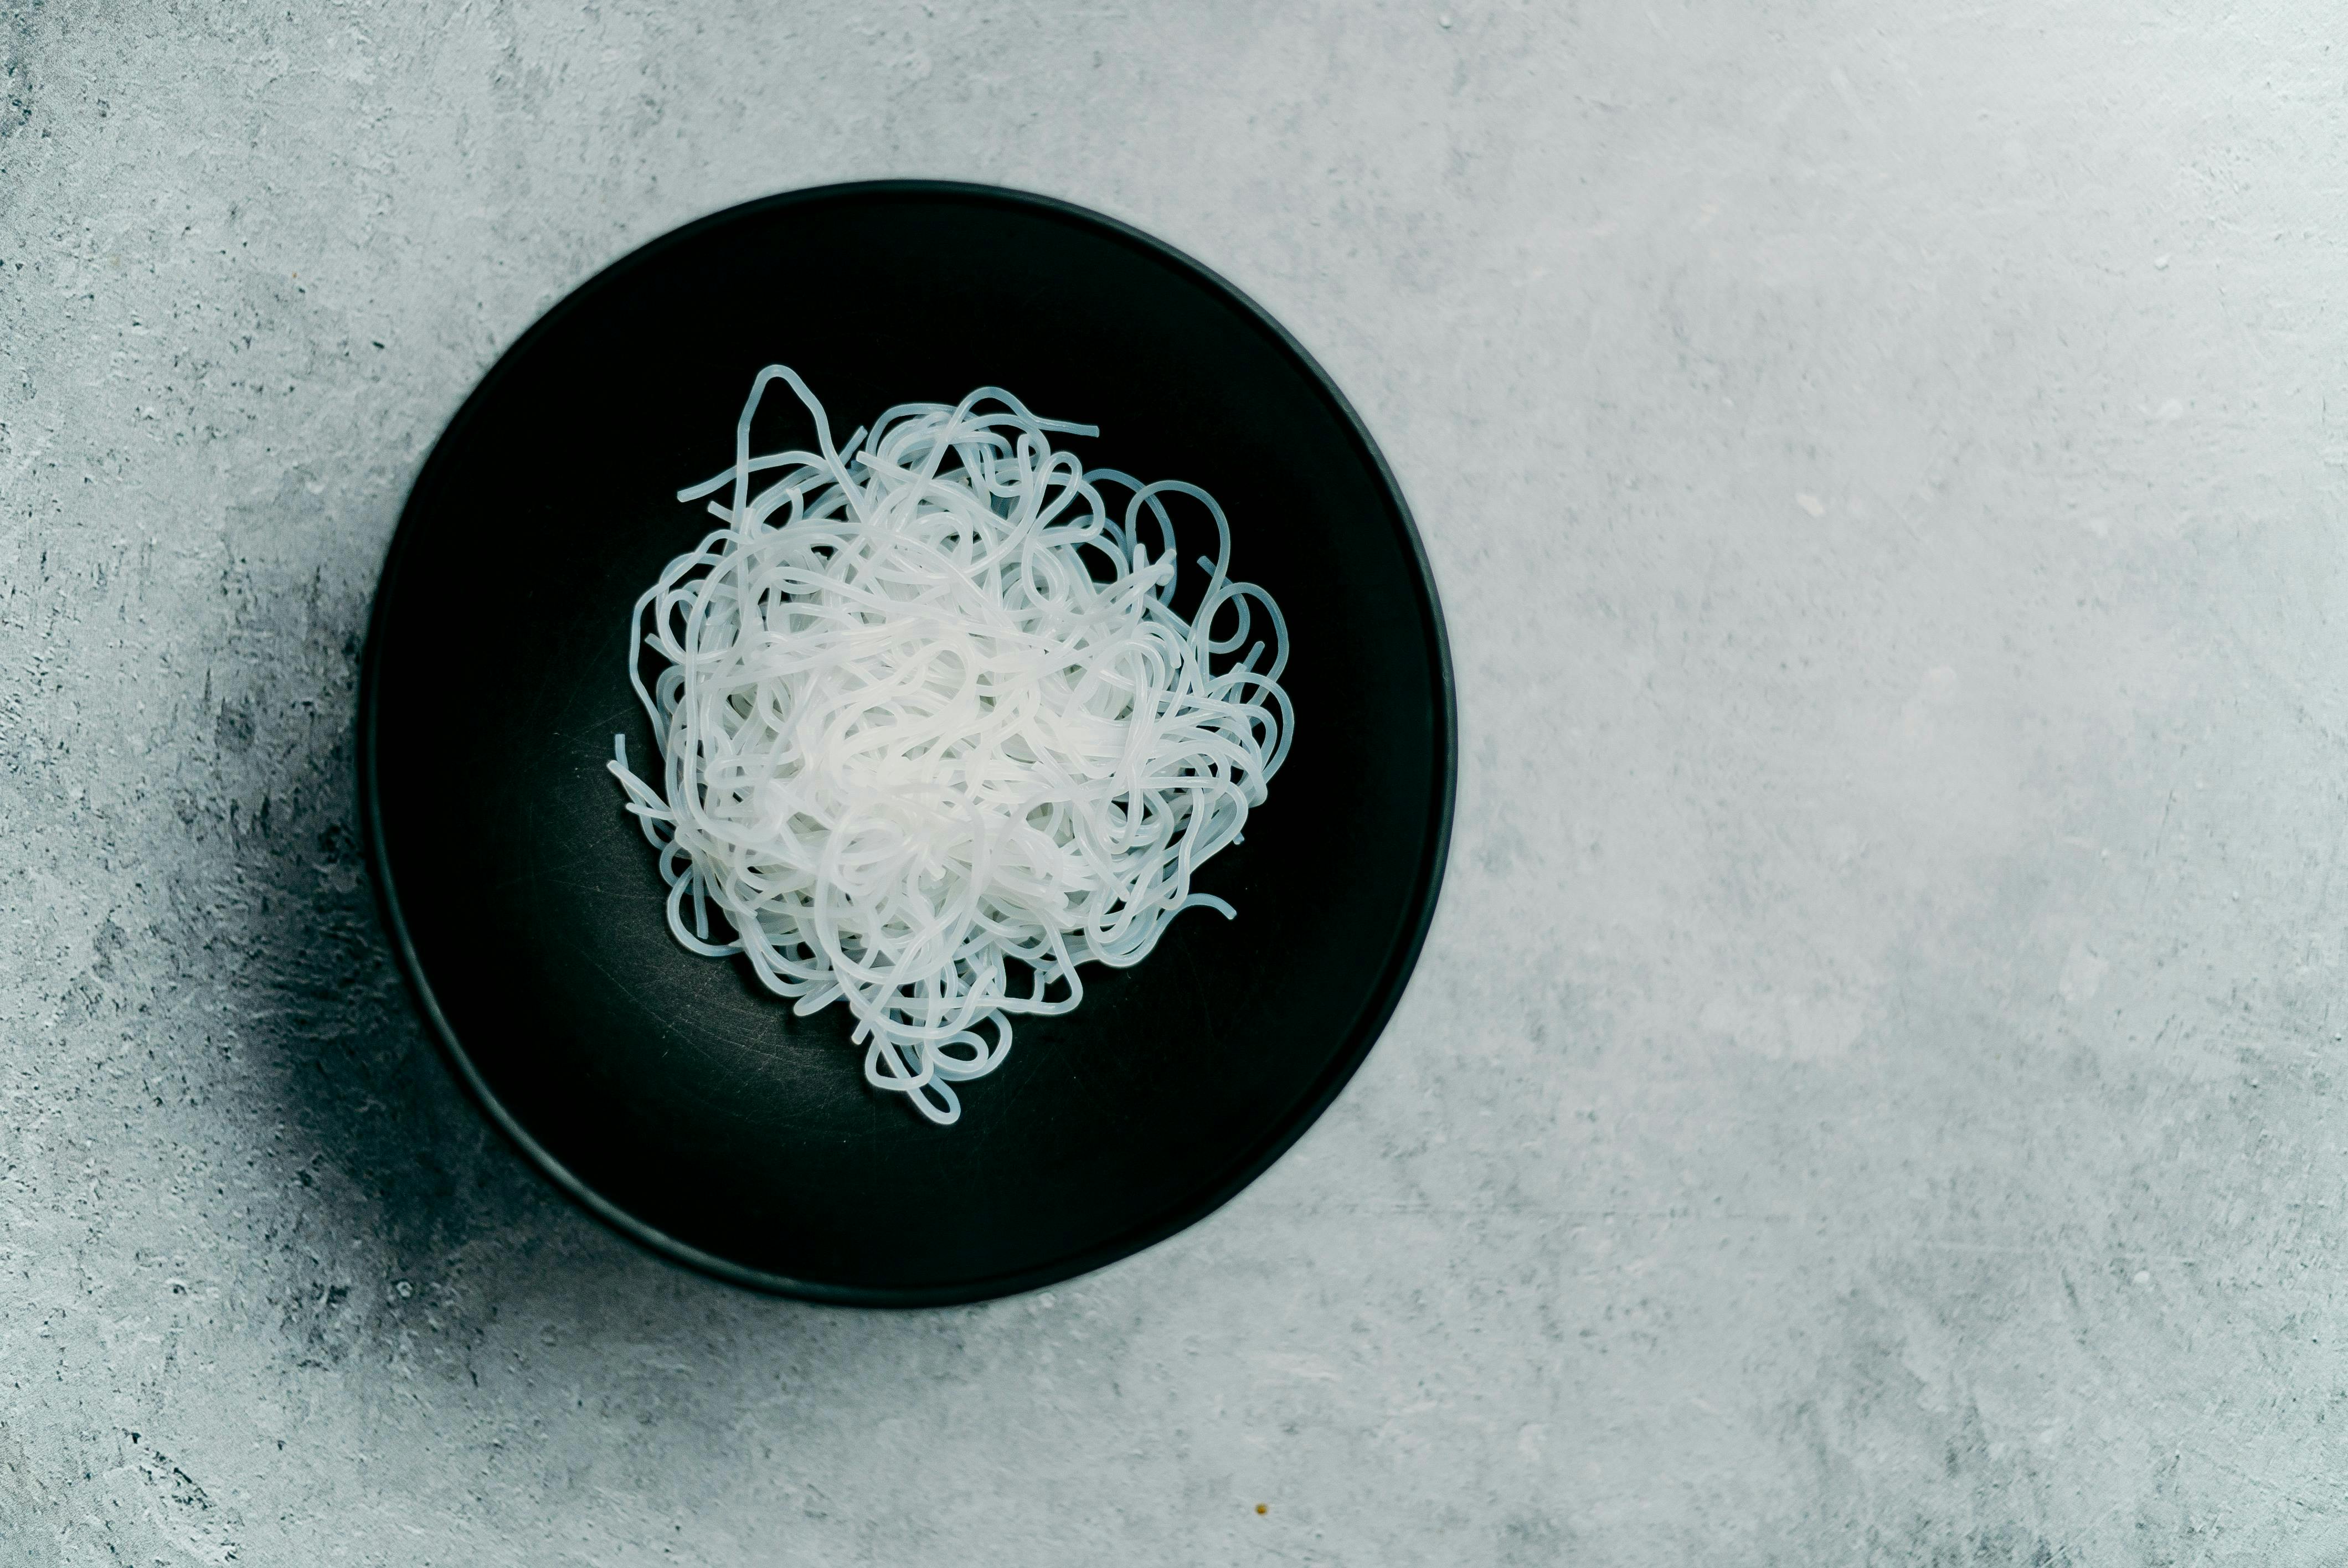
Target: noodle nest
(932,732)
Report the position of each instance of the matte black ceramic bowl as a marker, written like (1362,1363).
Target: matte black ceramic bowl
(669,1095)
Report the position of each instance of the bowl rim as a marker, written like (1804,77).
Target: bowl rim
(1394,975)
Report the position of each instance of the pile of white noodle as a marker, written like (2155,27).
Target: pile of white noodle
(928,714)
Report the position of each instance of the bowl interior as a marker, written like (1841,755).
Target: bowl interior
(679,1099)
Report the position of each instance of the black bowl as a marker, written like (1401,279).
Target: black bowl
(669,1094)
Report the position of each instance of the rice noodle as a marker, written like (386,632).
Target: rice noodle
(930,717)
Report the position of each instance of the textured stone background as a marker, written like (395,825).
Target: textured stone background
(1875,1091)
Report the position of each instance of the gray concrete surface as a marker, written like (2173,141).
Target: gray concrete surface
(1875,1093)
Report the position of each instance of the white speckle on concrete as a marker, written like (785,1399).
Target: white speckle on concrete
(1872,918)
